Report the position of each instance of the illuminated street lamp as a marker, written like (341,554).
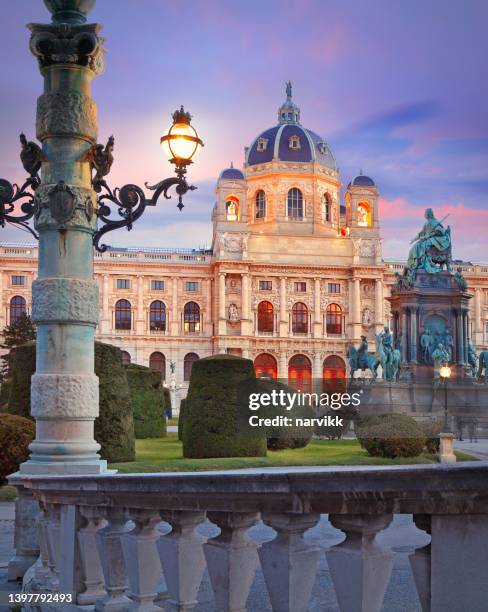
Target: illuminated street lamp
(445,374)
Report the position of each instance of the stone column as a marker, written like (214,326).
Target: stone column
(106,322)
(478,327)
(413,334)
(379,305)
(284,331)
(222,313)
(140,317)
(459,338)
(317,324)
(2,310)
(404,336)
(465,335)
(64,389)
(356,308)
(175,315)
(317,366)
(283,366)
(246,315)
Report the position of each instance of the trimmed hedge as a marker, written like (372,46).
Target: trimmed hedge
(23,365)
(214,412)
(391,435)
(181,418)
(4,394)
(114,428)
(147,401)
(432,430)
(16,433)
(279,438)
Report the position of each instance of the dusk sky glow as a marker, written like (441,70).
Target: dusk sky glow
(398,88)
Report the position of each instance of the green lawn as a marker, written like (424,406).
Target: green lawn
(165,455)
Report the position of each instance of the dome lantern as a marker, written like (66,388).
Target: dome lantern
(288,111)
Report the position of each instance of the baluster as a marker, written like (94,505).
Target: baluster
(53,532)
(43,573)
(289,563)
(92,569)
(360,567)
(109,548)
(231,560)
(420,563)
(459,560)
(182,558)
(142,560)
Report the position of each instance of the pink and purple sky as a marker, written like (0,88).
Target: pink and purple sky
(398,88)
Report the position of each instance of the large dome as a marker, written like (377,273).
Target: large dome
(289,141)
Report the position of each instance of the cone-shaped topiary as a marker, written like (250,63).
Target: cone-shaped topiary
(181,418)
(16,433)
(214,412)
(114,427)
(147,401)
(23,365)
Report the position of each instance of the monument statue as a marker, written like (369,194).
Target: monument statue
(233,313)
(460,280)
(472,358)
(448,343)
(360,359)
(431,248)
(427,345)
(388,356)
(483,365)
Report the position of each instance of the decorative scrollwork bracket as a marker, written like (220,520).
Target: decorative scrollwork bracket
(131,203)
(12,196)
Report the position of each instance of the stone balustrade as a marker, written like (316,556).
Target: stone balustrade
(101,538)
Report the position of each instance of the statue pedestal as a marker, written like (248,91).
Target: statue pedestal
(431,312)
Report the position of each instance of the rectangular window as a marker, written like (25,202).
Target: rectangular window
(191,286)
(265,285)
(18,280)
(157,285)
(123,283)
(334,288)
(300,287)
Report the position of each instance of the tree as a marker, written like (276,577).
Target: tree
(19,332)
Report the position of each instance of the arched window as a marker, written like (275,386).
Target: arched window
(295,203)
(232,208)
(157,316)
(17,308)
(265,317)
(191,317)
(334,367)
(299,318)
(125,357)
(123,315)
(327,211)
(300,372)
(364,214)
(260,204)
(265,366)
(188,362)
(334,319)
(157,362)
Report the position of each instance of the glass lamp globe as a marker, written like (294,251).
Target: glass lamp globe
(445,371)
(181,142)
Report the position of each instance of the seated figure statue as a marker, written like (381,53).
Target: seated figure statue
(431,248)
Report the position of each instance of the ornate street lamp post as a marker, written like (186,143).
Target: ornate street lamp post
(72,209)
(445,375)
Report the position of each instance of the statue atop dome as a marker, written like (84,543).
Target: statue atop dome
(288,89)
(289,111)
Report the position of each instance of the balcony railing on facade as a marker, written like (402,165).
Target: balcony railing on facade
(102,540)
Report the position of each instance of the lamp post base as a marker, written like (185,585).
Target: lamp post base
(446,451)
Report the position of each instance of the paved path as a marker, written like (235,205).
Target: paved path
(477,449)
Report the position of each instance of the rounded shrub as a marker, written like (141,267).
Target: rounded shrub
(391,435)
(16,433)
(114,427)
(181,418)
(147,398)
(214,412)
(23,365)
(281,437)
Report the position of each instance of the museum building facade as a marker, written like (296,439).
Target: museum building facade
(293,274)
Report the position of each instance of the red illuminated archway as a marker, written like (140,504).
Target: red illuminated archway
(265,366)
(300,372)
